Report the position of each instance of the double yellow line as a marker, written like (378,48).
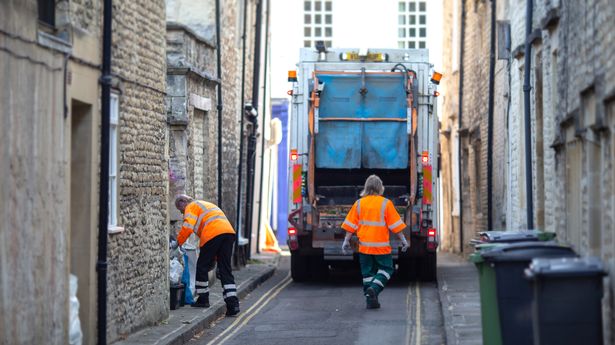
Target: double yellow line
(245,317)
(414,336)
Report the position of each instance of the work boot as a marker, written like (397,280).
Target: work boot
(232,306)
(202,301)
(371,299)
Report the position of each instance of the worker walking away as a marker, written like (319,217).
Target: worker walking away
(371,218)
(217,237)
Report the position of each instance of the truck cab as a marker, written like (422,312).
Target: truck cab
(355,113)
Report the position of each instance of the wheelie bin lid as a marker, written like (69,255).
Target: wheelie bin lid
(526,251)
(565,267)
(514,236)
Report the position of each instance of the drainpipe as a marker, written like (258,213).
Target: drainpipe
(460,125)
(260,197)
(252,139)
(490,120)
(219,106)
(251,159)
(528,116)
(242,124)
(103,193)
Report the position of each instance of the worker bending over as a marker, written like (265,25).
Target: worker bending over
(371,218)
(216,236)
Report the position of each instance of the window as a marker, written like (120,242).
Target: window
(412,24)
(113,160)
(317,22)
(47,12)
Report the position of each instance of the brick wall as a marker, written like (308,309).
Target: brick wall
(138,257)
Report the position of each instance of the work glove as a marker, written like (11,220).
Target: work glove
(404,244)
(346,246)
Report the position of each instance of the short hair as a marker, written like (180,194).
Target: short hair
(182,197)
(373,186)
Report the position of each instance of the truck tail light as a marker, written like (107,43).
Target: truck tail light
(293,242)
(294,155)
(431,232)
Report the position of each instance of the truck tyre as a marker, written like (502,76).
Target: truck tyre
(428,267)
(299,266)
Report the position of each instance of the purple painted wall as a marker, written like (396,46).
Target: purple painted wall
(279,109)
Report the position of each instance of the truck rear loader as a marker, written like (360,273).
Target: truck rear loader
(356,113)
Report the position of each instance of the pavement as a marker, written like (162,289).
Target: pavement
(460,299)
(184,322)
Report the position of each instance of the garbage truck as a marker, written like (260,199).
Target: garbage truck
(355,113)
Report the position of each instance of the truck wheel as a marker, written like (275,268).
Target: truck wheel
(299,267)
(428,267)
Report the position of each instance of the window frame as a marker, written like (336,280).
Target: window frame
(114,142)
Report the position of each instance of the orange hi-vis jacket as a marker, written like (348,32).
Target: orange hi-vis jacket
(204,219)
(372,217)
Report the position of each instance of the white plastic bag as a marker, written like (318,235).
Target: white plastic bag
(193,255)
(175,271)
(75,337)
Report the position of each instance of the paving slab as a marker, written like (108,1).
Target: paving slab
(184,322)
(460,300)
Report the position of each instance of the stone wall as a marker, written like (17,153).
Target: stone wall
(34,262)
(138,256)
(572,122)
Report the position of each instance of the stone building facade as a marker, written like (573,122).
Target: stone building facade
(138,255)
(50,65)
(572,128)
(192,99)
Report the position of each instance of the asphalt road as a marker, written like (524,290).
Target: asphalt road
(332,312)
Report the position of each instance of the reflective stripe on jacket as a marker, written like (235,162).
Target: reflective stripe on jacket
(206,220)
(372,217)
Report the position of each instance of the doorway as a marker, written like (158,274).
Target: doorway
(82,250)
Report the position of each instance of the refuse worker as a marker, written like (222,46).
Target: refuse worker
(217,237)
(371,218)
